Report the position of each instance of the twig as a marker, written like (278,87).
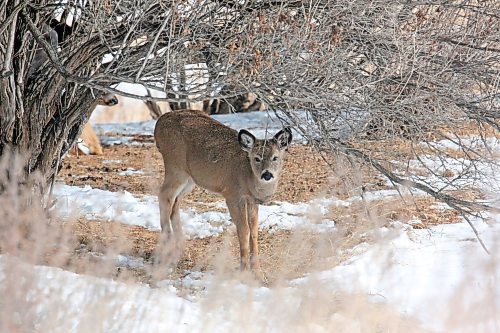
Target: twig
(451,201)
(7,65)
(151,49)
(466,218)
(13,16)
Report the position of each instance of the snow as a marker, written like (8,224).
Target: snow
(143,210)
(92,203)
(261,124)
(70,302)
(120,140)
(467,142)
(287,216)
(112,161)
(464,172)
(439,276)
(481,173)
(429,274)
(130,172)
(114,261)
(73,12)
(128,109)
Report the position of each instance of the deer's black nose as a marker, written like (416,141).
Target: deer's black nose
(113,101)
(267,176)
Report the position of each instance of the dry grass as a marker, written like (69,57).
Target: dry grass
(90,247)
(470,128)
(285,254)
(298,184)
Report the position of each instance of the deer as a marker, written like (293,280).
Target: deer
(127,111)
(90,143)
(198,150)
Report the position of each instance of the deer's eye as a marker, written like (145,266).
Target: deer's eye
(257,159)
(275,158)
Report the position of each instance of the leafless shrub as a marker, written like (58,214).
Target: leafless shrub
(384,69)
(418,72)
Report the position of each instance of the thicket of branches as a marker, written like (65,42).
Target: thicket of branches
(385,69)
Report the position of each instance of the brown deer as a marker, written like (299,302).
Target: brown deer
(199,150)
(152,110)
(90,140)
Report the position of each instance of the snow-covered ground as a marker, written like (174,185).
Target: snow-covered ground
(143,210)
(439,279)
(259,123)
(440,276)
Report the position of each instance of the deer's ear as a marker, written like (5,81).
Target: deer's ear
(283,138)
(246,140)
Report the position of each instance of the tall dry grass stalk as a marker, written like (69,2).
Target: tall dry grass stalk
(39,297)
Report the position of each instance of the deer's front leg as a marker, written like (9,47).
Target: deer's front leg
(238,212)
(253,223)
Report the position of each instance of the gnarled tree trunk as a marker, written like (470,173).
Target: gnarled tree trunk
(42,114)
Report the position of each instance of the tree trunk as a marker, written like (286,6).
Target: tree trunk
(41,116)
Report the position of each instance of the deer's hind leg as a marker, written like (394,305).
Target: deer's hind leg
(173,185)
(175,218)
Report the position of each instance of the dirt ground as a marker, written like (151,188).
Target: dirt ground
(284,254)
(307,174)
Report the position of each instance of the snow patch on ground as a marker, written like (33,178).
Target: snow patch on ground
(440,276)
(143,210)
(112,161)
(467,142)
(287,216)
(123,207)
(436,275)
(130,172)
(121,140)
(62,301)
(261,124)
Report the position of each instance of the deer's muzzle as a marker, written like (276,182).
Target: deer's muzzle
(267,176)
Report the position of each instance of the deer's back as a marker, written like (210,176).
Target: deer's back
(205,148)
(196,128)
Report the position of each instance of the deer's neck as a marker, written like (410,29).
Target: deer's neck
(262,191)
